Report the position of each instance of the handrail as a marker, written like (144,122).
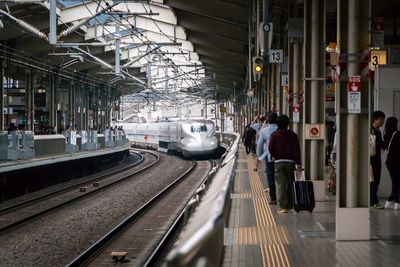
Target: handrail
(202,238)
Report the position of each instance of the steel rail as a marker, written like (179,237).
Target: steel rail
(91,252)
(44,196)
(168,238)
(70,201)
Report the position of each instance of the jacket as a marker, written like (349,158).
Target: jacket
(284,145)
(263,141)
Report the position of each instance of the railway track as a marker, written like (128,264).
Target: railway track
(145,233)
(22,212)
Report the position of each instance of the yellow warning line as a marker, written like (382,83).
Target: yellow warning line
(270,236)
(260,235)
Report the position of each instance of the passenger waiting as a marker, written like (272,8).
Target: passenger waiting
(285,149)
(392,143)
(263,153)
(247,138)
(264,123)
(378,117)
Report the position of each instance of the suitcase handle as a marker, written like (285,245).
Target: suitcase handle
(298,173)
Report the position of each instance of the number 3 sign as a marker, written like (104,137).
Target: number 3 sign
(378,57)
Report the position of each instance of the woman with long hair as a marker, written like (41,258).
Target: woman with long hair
(391,139)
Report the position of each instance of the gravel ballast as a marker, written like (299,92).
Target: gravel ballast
(58,237)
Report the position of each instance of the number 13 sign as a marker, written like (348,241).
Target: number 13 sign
(275,56)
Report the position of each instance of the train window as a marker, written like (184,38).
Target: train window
(199,128)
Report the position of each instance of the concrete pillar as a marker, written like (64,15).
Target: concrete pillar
(314,104)
(352,119)
(316,88)
(272,88)
(278,88)
(265,88)
(2,95)
(295,79)
(352,214)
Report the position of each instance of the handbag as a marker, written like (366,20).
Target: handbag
(372,144)
(391,139)
(331,180)
(371,174)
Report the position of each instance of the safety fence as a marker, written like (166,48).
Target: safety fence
(201,242)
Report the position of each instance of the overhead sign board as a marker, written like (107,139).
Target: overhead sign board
(378,57)
(276,56)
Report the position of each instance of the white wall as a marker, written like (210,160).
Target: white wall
(387,99)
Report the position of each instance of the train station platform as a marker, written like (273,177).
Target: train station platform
(6,166)
(19,177)
(256,235)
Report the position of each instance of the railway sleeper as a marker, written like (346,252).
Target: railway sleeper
(119,256)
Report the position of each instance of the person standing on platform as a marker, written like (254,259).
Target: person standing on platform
(285,149)
(378,118)
(256,126)
(392,143)
(247,138)
(263,123)
(263,153)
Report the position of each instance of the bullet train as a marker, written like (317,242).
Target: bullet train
(191,138)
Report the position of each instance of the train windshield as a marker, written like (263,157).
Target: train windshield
(199,128)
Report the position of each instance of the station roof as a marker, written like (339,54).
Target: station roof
(197,47)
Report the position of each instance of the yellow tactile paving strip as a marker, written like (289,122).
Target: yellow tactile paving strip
(242,195)
(261,235)
(274,255)
(266,233)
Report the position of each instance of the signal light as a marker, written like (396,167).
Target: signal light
(258,67)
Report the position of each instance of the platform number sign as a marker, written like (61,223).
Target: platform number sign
(275,56)
(378,57)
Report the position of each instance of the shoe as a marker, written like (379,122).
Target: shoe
(266,190)
(282,211)
(389,205)
(397,206)
(255,169)
(379,206)
(272,202)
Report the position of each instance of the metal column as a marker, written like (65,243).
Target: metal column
(28,96)
(53,100)
(2,95)
(71,114)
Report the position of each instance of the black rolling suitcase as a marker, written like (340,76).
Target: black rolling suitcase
(303,195)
